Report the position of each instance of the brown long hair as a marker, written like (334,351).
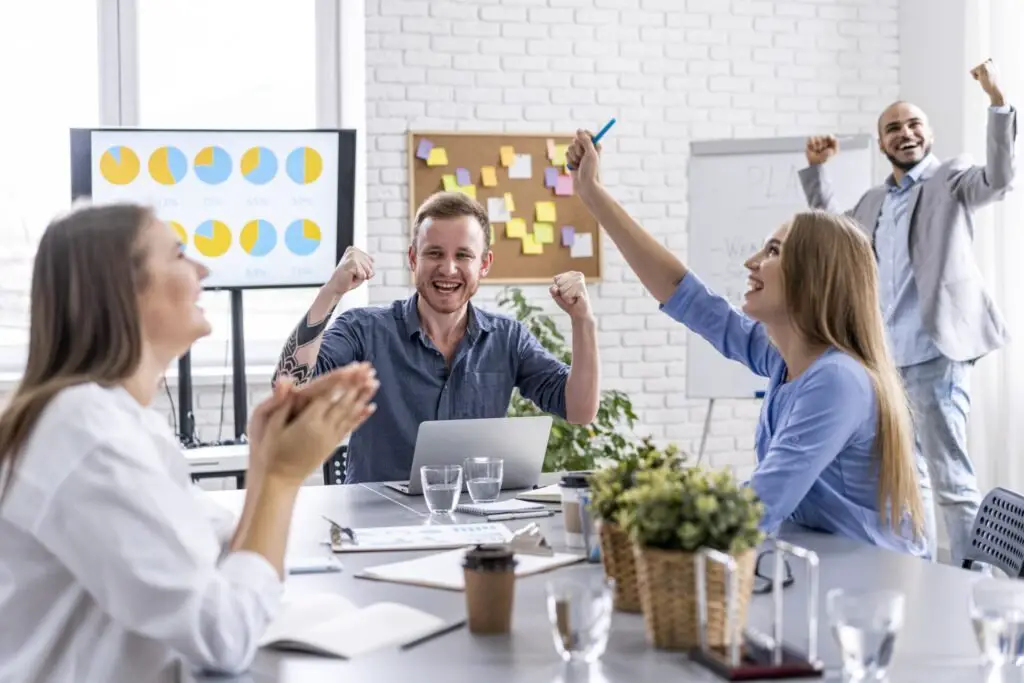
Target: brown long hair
(84,323)
(831,287)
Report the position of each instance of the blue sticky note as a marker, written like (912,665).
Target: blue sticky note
(423,151)
(568,235)
(550,176)
(462,175)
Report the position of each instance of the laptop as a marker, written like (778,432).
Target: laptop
(520,441)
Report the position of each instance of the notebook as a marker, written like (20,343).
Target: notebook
(444,570)
(329,625)
(499,507)
(546,494)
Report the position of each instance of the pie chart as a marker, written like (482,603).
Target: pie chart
(179,230)
(302,237)
(259,165)
(212,165)
(119,165)
(304,165)
(212,238)
(258,237)
(167,165)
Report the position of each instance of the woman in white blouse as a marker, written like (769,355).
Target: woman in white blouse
(113,567)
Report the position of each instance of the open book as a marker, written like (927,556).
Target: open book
(328,624)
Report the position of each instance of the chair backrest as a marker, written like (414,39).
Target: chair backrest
(997,537)
(334,466)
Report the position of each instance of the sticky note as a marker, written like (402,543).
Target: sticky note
(497,212)
(449,182)
(509,202)
(531,246)
(468,190)
(522,168)
(582,245)
(551,148)
(559,157)
(544,233)
(545,212)
(488,176)
(508,155)
(515,228)
(423,149)
(492,234)
(550,176)
(563,186)
(438,157)
(568,234)
(462,175)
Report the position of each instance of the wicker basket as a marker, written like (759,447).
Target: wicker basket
(619,564)
(668,595)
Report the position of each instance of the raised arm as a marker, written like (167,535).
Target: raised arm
(980,185)
(813,178)
(299,356)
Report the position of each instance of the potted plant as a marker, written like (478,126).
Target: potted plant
(670,514)
(607,485)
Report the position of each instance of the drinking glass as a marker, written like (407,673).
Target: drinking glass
(483,478)
(442,486)
(580,612)
(865,624)
(997,613)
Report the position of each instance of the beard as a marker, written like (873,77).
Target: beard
(907,165)
(442,302)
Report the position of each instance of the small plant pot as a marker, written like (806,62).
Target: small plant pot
(667,582)
(620,564)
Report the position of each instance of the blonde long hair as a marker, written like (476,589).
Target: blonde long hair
(831,290)
(84,323)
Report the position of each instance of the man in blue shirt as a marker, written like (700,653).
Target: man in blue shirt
(939,318)
(437,356)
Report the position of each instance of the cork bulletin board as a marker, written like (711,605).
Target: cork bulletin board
(540,226)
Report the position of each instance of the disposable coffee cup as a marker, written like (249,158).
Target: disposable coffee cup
(571,487)
(489,572)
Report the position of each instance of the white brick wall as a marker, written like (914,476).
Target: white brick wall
(671,71)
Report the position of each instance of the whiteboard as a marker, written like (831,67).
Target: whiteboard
(258,208)
(740,191)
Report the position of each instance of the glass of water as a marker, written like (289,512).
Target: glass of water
(483,478)
(865,624)
(997,613)
(442,486)
(580,612)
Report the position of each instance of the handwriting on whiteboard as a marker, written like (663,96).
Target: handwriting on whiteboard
(772,185)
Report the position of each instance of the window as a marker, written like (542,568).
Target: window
(49,84)
(231,64)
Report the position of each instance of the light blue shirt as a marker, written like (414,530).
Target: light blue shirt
(901,310)
(816,460)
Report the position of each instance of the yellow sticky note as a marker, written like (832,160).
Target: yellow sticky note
(531,245)
(438,157)
(468,190)
(515,228)
(449,182)
(559,157)
(488,176)
(508,155)
(545,212)
(544,233)
(509,202)
(492,234)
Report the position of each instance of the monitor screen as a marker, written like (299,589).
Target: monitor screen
(260,209)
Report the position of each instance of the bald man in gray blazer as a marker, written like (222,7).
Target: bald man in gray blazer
(939,318)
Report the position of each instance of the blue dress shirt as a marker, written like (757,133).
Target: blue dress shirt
(816,460)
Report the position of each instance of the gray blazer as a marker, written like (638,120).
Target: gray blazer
(956,310)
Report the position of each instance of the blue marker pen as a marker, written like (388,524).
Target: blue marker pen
(597,138)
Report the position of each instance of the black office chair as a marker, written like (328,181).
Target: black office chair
(997,538)
(334,466)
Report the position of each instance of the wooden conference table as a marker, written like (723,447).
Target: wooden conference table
(936,643)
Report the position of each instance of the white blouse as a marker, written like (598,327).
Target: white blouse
(112,563)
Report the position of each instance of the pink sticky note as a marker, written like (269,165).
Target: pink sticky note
(423,151)
(550,176)
(462,176)
(564,185)
(568,235)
